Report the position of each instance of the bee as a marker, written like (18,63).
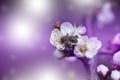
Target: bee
(69,40)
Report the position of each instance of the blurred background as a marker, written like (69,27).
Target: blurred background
(25,28)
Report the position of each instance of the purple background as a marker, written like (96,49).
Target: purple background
(20,58)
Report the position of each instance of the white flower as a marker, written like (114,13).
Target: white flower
(66,35)
(116,58)
(87,47)
(102,69)
(115,75)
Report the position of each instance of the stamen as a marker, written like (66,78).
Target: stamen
(83,48)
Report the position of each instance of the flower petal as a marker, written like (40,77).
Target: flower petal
(66,28)
(55,38)
(102,69)
(77,52)
(80,30)
(116,58)
(90,53)
(83,40)
(94,43)
(115,75)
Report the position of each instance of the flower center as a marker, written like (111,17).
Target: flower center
(83,48)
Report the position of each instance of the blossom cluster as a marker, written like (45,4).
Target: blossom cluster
(70,40)
(112,72)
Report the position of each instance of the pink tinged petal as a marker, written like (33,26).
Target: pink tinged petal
(81,30)
(90,54)
(83,39)
(80,41)
(77,52)
(115,75)
(116,58)
(66,28)
(58,54)
(94,43)
(55,37)
(102,69)
(99,44)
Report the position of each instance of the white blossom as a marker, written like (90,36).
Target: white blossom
(102,69)
(116,58)
(87,47)
(115,75)
(67,30)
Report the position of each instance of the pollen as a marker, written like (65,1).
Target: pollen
(83,48)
